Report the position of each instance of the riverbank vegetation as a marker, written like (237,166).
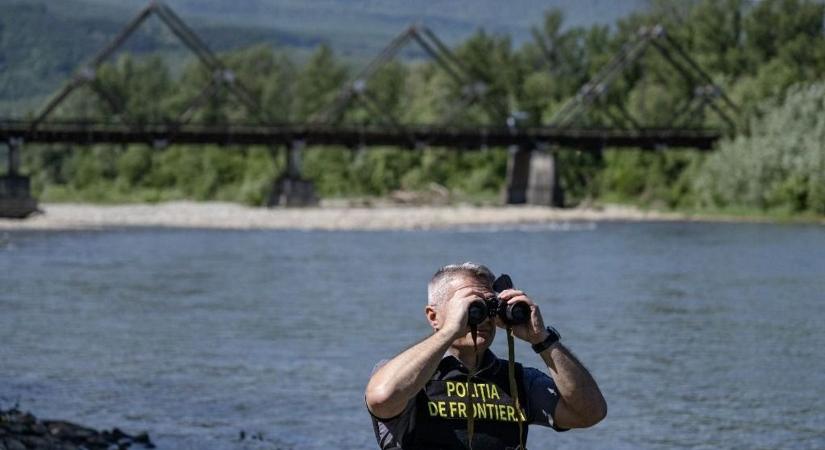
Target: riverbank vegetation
(768,56)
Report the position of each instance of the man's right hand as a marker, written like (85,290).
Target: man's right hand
(456,311)
(392,386)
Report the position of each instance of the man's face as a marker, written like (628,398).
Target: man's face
(486,329)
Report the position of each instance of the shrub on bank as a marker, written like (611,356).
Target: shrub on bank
(779,165)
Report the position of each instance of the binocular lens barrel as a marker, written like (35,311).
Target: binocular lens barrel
(518,313)
(477,312)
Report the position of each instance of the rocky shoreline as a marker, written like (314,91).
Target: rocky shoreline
(21,430)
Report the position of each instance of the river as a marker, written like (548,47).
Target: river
(701,335)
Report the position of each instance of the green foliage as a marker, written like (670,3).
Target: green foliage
(659,179)
(136,91)
(319,81)
(43,42)
(490,59)
(139,173)
(579,174)
(781,165)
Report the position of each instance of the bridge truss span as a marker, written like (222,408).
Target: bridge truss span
(532,171)
(415,137)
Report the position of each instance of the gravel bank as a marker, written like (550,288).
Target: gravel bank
(234,216)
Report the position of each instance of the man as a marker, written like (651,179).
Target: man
(421,399)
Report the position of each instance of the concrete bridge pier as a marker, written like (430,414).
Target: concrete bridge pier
(15,190)
(518,175)
(290,188)
(533,177)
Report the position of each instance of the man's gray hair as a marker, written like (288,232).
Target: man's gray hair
(439,285)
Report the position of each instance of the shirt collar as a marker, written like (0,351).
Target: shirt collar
(488,360)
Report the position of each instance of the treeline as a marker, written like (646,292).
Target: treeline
(42,42)
(755,51)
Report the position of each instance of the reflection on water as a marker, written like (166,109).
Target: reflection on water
(701,335)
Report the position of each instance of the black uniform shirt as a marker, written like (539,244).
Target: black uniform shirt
(542,397)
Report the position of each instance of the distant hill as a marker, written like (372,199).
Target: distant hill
(41,45)
(380,19)
(42,42)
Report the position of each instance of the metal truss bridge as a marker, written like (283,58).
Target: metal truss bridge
(564,131)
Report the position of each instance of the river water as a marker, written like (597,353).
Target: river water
(702,336)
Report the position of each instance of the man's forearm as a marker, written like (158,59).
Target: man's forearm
(397,381)
(576,386)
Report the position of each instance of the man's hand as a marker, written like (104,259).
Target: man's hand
(534,330)
(455,311)
(393,385)
(581,404)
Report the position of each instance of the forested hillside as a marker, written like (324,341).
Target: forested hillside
(454,19)
(42,42)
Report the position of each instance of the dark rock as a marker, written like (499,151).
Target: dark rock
(39,429)
(143,438)
(27,419)
(14,444)
(62,428)
(117,434)
(22,431)
(34,441)
(15,428)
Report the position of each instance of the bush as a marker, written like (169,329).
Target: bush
(661,179)
(780,165)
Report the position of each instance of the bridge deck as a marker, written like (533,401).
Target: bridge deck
(353,136)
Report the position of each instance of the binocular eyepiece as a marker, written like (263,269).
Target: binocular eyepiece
(511,314)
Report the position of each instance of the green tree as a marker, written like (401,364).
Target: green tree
(781,165)
(269,77)
(493,73)
(319,82)
(135,90)
(773,25)
(384,97)
(717,36)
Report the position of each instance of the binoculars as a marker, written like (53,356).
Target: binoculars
(515,314)
(511,314)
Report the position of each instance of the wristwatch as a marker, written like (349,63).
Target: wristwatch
(553,336)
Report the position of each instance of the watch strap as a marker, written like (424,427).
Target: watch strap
(553,336)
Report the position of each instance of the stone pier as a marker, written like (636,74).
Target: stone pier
(291,189)
(16,201)
(533,178)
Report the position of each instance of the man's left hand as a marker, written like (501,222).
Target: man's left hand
(534,330)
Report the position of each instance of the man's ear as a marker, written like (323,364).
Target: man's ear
(432,316)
